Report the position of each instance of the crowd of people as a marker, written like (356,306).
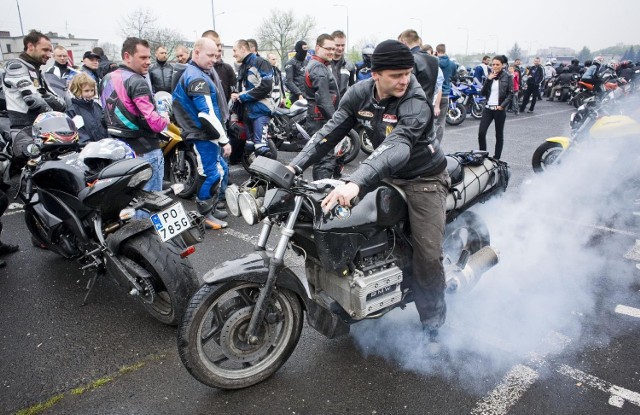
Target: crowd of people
(403,115)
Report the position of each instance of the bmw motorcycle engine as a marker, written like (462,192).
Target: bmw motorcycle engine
(373,285)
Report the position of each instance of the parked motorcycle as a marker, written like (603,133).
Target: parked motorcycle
(82,206)
(245,321)
(180,162)
(593,120)
(456,113)
(472,100)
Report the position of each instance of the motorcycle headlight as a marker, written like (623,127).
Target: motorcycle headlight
(231,196)
(141,177)
(249,208)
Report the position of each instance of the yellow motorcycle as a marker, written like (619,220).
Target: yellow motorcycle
(180,162)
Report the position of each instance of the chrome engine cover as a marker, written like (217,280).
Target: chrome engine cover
(362,295)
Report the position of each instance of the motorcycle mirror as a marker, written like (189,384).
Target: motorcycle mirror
(177,188)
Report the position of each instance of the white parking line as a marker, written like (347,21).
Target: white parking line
(629,311)
(618,395)
(507,393)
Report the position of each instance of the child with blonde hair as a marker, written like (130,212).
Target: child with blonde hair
(85,111)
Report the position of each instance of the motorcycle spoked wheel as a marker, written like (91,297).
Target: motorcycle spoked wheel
(545,155)
(352,148)
(467,233)
(212,342)
(579,99)
(188,175)
(248,158)
(172,279)
(455,116)
(365,142)
(476,110)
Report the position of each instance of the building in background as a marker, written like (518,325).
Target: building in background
(11,46)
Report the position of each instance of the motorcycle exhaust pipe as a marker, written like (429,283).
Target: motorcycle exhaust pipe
(464,278)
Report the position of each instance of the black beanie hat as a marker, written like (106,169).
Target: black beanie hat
(391,54)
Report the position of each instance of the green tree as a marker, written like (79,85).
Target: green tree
(514,52)
(584,54)
(281,30)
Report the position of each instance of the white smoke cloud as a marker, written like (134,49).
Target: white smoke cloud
(560,235)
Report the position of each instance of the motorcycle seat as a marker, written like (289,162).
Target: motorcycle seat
(455,170)
(288,112)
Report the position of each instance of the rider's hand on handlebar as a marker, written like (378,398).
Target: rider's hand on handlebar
(341,195)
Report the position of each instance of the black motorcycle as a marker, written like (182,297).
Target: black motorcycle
(245,321)
(82,206)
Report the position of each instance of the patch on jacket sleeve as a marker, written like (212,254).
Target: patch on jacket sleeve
(198,87)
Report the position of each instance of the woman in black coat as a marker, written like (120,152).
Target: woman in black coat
(498,89)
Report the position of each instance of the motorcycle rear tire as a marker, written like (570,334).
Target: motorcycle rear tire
(476,110)
(222,310)
(579,99)
(455,116)
(467,232)
(173,278)
(545,155)
(248,158)
(189,177)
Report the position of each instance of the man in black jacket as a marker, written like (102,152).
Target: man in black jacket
(160,73)
(536,75)
(393,109)
(294,71)
(343,70)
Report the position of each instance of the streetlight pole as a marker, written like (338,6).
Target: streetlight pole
(466,51)
(20,17)
(420,20)
(342,5)
(213,15)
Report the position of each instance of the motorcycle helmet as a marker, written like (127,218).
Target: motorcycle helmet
(367,52)
(164,102)
(598,59)
(554,61)
(54,128)
(613,65)
(97,155)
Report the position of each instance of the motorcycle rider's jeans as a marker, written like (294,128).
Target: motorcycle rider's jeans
(427,198)
(155,158)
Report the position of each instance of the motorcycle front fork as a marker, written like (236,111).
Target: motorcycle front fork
(275,262)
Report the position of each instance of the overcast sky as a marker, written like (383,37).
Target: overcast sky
(485,25)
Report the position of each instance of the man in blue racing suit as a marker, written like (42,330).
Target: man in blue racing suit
(196,110)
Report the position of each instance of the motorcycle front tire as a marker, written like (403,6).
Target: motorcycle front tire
(477,109)
(365,142)
(354,148)
(455,116)
(173,278)
(211,341)
(545,155)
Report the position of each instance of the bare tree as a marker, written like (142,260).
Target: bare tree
(138,23)
(141,23)
(281,30)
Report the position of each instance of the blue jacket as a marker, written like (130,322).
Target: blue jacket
(195,93)
(448,70)
(255,82)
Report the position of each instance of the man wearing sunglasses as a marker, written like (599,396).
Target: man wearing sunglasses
(321,92)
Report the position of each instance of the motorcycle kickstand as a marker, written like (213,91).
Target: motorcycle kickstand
(90,285)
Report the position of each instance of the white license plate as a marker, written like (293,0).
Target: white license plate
(171,222)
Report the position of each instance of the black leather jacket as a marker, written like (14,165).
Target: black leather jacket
(505,92)
(345,74)
(160,76)
(397,127)
(320,90)
(426,71)
(294,79)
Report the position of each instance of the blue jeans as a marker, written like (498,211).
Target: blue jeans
(156,160)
